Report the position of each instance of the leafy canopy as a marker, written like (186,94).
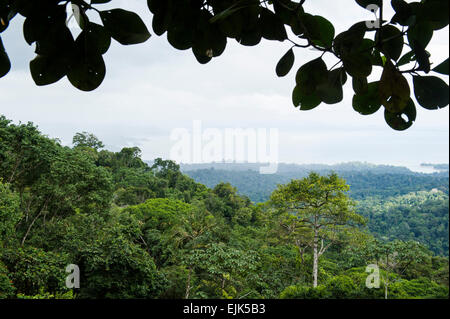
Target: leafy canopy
(397,46)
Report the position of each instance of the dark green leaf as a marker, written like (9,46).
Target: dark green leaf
(87,73)
(5,64)
(421,33)
(358,65)
(286,63)
(94,39)
(403,12)
(391,41)
(272,27)
(330,91)
(250,36)
(369,102)
(310,75)
(431,92)
(442,68)
(394,89)
(319,30)
(126,27)
(366,3)
(397,121)
(360,85)
(305,101)
(46,70)
(349,42)
(406,59)
(163,17)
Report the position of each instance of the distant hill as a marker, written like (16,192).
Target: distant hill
(438,167)
(366,180)
(303,168)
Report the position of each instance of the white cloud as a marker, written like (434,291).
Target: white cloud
(152,89)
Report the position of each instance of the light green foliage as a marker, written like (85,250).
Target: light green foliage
(421,216)
(87,140)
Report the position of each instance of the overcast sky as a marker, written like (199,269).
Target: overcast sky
(152,89)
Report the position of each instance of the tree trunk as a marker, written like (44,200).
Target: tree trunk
(316,257)
(386,284)
(188,284)
(29,229)
(386,290)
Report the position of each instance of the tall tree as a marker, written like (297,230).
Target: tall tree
(319,206)
(86,139)
(396,257)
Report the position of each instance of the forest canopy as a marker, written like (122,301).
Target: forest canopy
(396,45)
(149,231)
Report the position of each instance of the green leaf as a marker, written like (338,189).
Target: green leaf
(94,39)
(391,41)
(394,89)
(126,27)
(236,6)
(406,59)
(305,101)
(442,68)
(431,92)
(422,57)
(397,121)
(7,13)
(180,36)
(201,56)
(421,33)
(5,63)
(360,85)
(286,10)
(250,36)
(350,41)
(369,102)
(272,27)
(433,11)
(47,70)
(319,30)
(180,33)
(358,65)
(87,73)
(403,12)
(208,41)
(162,18)
(310,75)
(330,91)
(366,3)
(286,63)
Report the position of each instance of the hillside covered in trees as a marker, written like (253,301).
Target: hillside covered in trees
(366,180)
(149,231)
(398,203)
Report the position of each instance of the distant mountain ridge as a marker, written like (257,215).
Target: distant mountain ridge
(365,180)
(289,168)
(438,167)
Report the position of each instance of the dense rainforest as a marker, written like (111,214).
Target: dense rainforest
(150,231)
(365,180)
(398,203)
